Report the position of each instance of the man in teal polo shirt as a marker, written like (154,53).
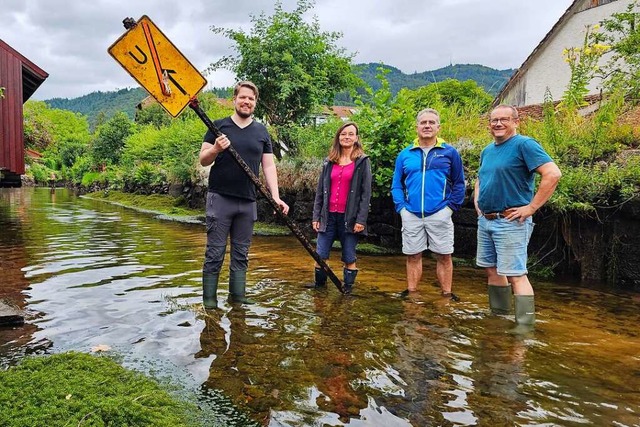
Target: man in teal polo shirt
(428,186)
(505,201)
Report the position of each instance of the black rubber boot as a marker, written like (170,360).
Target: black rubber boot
(349,279)
(210,290)
(525,309)
(237,287)
(500,299)
(319,279)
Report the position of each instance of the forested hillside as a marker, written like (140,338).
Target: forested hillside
(489,79)
(99,106)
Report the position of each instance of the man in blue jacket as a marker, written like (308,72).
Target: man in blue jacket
(428,186)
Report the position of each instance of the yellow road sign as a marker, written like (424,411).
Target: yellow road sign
(150,57)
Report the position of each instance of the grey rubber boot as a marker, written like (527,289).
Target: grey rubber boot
(319,279)
(237,287)
(500,299)
(349,277)
(210,290)
(525,308)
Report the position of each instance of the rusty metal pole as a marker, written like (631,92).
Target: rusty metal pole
(195,106)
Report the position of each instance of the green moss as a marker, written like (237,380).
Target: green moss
(160,203)
(366,248)
(262,229)
(81,389)
(172,208)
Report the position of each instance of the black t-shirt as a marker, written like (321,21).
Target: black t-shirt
(226,176)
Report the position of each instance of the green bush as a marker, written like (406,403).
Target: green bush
(173,149)
(314,141)
(40,173)
(82,165)
(147,174)
(90,178)
(299,174)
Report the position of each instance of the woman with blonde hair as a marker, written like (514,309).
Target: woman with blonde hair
(341,204)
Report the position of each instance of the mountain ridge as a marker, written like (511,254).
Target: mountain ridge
(98,106)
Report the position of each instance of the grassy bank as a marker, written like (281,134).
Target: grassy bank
(74,389)
(172,208)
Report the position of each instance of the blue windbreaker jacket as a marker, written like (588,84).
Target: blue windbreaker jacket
(425,184)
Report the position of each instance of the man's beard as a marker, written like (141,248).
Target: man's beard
(243,114)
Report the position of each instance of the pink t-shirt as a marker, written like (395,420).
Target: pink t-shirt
(340,185)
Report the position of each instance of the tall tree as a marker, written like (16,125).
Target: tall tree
(109,142)
(622,36)
(295,65)
(451,92)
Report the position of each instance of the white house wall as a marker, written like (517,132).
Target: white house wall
(548,68)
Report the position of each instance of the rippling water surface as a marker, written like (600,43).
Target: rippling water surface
(88,273)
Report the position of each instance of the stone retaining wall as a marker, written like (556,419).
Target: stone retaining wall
(601,248)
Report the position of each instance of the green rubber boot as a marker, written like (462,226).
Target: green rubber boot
(210,290)
(500,299)
(525,308)
(237,287)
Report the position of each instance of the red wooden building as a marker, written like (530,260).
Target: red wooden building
(20,79)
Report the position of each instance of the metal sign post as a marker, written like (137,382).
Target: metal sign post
(158,66)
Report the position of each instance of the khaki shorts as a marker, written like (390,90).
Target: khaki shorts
(433,232)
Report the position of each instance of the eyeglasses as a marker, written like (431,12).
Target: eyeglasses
(503,120)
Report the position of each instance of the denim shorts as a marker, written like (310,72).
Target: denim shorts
(503,244)
(336,229)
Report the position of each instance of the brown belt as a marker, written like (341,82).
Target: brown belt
(496,215)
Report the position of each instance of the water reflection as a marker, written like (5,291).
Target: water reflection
(88,274)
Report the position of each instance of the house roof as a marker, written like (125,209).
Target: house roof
(631,117)
(525,65)
(342,111)
(536,111)
(32,75)
(32,153)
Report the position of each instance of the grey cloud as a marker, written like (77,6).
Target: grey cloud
(69,38)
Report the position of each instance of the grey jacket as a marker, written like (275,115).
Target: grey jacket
(358,199)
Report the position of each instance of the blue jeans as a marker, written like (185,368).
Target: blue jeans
(336,229)
(503,244)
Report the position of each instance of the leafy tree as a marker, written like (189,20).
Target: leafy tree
(153,115)
(36,126)
(386,127)
(622,34)
(60,134)
(295,65)
(451,92)
(110,139)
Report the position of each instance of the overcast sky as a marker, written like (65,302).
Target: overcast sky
(69,38)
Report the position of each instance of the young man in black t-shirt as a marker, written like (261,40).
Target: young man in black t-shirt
(231,198)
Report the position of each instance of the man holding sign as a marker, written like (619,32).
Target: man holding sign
(231,198)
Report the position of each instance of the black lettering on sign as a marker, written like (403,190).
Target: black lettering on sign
(180,88)
(144,56)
